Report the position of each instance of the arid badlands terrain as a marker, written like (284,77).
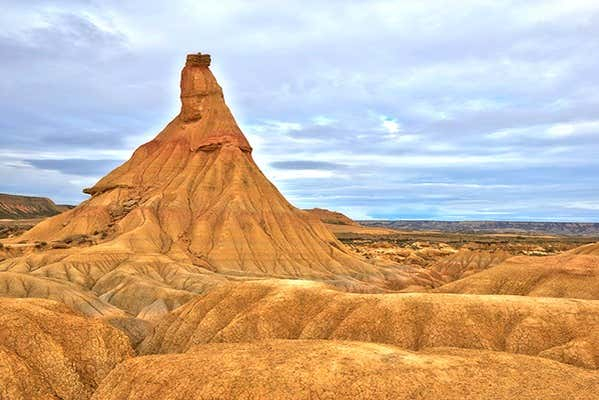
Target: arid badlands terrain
(187,275)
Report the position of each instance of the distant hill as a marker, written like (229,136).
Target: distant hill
(547,228)
(24,207)
(331,217)
(341,225)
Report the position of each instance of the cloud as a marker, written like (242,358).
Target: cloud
(583,205)
(74,166)
(306,165)
(379,108)
(391,126)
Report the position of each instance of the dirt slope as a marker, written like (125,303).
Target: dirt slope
(467,261)
(49,352)
(123,280)
(13,284)
(316,369)
(560,329)
(565,275)
(590,249)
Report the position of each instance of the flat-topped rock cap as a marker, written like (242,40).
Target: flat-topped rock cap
(199,59)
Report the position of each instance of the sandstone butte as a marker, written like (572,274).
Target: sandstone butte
(189,210)
(339,223)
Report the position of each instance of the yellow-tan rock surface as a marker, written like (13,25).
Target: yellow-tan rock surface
(315,369)
(49,352)
(466,262)
(332,217)
(22,285)
(339,223)
(589,249)
(195,194)
(573,274)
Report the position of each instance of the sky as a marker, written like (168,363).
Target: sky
(446,110)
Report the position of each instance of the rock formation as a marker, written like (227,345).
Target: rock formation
(49,352)
(229,291)
(195,195)
(315,369)
(188,211)
(19,285)
(341,224)
(589,249)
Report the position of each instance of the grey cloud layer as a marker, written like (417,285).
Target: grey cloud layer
(477,110)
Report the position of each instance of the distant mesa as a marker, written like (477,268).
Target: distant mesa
(512,227)
(341,225)
(25,207)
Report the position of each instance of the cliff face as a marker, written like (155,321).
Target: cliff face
(21,207)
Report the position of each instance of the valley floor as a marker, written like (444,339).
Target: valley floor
(494,316)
